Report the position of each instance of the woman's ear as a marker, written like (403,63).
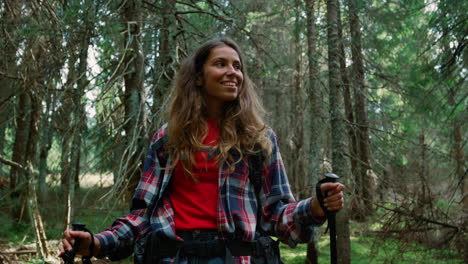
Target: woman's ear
(199,81)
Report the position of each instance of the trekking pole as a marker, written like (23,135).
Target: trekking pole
(69,256)
(329,177)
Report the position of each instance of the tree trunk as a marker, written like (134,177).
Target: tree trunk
(33,206)
(340,162)
(29,109)
(64,113)
(366,184)
(297,113)
(41,242)
(460,173)
(45,144)
(349,113)
(55,64)
(315,139)
(458,153)
(423,190)
(7,68)
(356,209)
(134,96)
(347,97)
(165,59)
(17,177)
(79,117)
(35,80)
(314,96)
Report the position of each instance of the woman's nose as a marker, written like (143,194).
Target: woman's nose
(231,69)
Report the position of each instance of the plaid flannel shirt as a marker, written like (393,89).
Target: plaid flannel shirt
(282,216)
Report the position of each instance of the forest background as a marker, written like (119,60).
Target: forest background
(374,91)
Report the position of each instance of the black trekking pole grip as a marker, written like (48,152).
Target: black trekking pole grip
(329,177)
(69,256)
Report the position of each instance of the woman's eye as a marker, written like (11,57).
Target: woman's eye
(237,67)
(219,64)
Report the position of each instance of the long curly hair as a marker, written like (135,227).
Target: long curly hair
(242,129)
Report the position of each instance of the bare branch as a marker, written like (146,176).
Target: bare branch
(12,76)
(421,218)
(12,163)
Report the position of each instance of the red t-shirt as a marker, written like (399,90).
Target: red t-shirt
(195,203)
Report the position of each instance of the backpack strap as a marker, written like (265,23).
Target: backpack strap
(255,163)
(160,143)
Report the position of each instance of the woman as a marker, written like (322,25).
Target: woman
(195,185)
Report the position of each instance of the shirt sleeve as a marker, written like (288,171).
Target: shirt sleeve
(290,220)
(118,240)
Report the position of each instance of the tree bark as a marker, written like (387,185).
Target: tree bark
(63,117)
(458,153)
(365,183)
(29,109)
(45,144)
(316,135)
(134,95)
(297,114)
(79,116)
(349,113)
(17,176)
(41,242)
(55,63)
(7,67)
(460,169)
(340,162)
(165,58)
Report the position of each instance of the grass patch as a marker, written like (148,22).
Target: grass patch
(371,250)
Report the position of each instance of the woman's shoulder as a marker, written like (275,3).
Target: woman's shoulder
(160,137)
(270,133)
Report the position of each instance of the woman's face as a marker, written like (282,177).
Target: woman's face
(222,77)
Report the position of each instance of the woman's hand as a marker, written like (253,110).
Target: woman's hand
(69,238)
(334,200)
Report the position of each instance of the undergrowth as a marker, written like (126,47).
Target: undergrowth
(366,247)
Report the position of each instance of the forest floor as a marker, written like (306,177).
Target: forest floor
(365,249)
(366,244)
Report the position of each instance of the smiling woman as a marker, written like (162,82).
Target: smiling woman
(200,183)
(222,78)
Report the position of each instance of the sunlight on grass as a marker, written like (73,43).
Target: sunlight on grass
(370,250)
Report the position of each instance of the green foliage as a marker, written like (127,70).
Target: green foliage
(8,141)
(415,70)
(367,249)
(11,233)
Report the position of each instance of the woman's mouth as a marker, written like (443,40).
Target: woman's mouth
(229,84)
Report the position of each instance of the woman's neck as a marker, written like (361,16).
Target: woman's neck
(214,111)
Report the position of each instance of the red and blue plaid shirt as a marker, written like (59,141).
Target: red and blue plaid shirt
(282,216)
